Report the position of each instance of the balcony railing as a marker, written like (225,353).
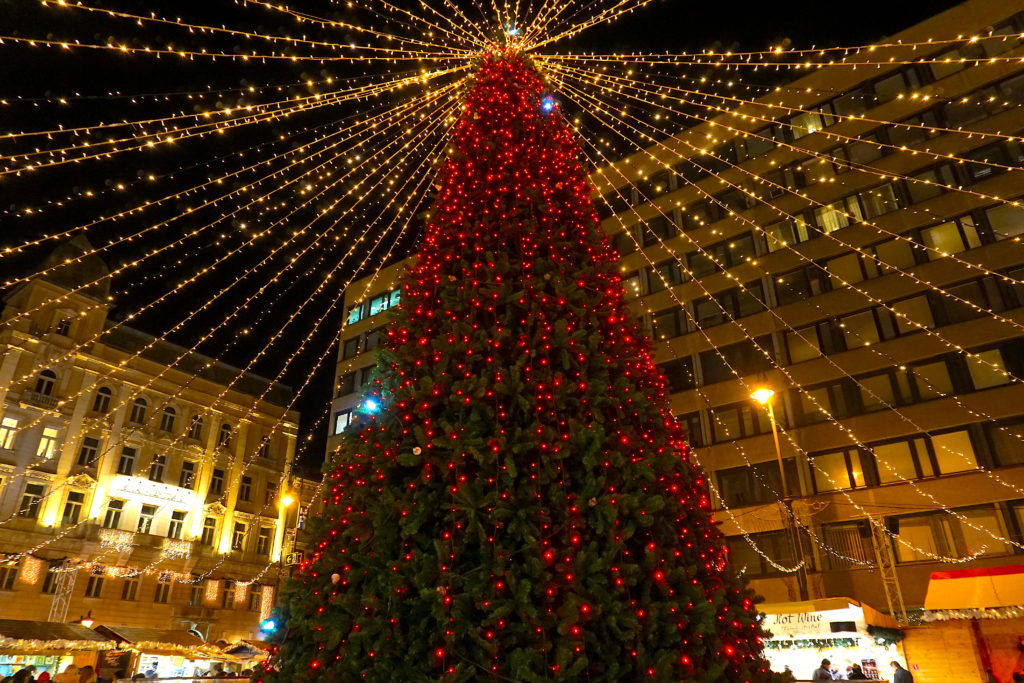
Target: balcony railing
(40,400)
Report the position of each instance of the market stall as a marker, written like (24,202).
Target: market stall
(841,630)
(169,653)
(49,646)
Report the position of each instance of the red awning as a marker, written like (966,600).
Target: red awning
(976,588)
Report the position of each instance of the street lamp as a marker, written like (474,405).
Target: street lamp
(87,621)
(287,500)
(764,396)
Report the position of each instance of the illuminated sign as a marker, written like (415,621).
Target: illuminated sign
(150,491)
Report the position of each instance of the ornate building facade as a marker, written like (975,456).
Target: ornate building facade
(141,483)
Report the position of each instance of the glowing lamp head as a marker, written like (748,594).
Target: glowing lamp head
(548,104)
(87,621)
(287,500)
(268,625)
(370,405)
(762,395)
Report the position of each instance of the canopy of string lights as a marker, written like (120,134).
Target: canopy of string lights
(232,216)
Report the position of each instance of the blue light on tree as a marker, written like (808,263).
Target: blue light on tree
(370,405)
(268,625)
(511,31)
(548,104)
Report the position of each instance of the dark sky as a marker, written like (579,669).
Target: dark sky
(32,77)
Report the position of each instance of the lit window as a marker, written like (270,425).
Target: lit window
(195,428)
(228,598)
(342,420)
(238,536)
(954,452)
(263,541)
(217,482)
(47,443)
(187,478)
(209,531)
(126,463)
(8,430)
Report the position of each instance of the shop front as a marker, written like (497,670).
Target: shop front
(841,630)
(168,653)
(48,646)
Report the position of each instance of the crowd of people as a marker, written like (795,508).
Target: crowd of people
(830,672)
(87,674)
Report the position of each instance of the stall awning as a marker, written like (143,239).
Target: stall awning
(164,642)
(40,637)
(976,588)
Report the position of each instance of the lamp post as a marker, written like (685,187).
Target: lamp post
(764,396)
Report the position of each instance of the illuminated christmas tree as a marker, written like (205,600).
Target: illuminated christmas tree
(521,506)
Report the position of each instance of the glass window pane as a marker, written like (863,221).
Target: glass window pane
(913,314)
(830,473)
(895,462)
(725,424)
(918,538)
(944,239)
(814,411)
(876,391)
(933,380)
(845,270)
(954,452)
(1006,220)
(831,218)
(880,200)
(987,369)
(1007,441)
(979,531)
(860,329)
(803,346)
(896,253)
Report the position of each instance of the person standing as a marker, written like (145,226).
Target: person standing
(856,673)
(824,672)
(26,675)
(86,675)
(69,675)
(899,674)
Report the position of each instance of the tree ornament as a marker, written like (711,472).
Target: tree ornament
(335,578)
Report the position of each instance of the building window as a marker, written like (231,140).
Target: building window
(342,419)
(355,314)
(126,464)
(774,544)
(177,525)
(949,238)
(374,338)
(89,451)
(112,518)
(346,384)
(263,450)
(8,430)
(167,419)
(255,595)
(129,589)
(195,428)
(271,493)
(217,482)
(238,536)
(227,600)
(209,531)
(224,439)
(50,582)
(8,573)
(101,404)
(350,349)
(162,593)
(94,588)
(47,443)
(138,413)
(146,516)
(1006,441)
(30,501)
(679,374)
(755,484)
(837,470)
(156,468)
(187,477)
(263,541)
(63,327)
(45,382)
(848,540)
(73,507)
(195,595)
(245,489)
(971,531)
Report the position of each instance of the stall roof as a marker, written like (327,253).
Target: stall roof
(976,588)
(47,630)
(871,615)
(141,634)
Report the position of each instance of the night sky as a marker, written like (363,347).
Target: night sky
(96,83)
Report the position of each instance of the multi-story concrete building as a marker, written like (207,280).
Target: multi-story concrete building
(141,482)
(894,399)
